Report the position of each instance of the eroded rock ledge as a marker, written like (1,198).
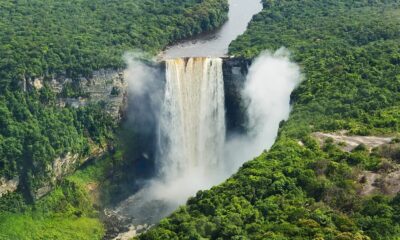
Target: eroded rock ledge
(106,86)
(7,186)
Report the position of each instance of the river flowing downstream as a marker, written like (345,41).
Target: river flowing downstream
(215,44)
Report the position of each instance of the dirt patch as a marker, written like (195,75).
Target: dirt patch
(367,179)
(348,143)
(94,192)
(386,183)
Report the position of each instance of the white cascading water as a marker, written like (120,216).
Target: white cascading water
(192,123)
(191,139)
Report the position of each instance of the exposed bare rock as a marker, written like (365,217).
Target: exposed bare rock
(7,186)
(115,224)
(106,86)
(61,167)
(235,71)
(40,192)
(389,183)
(348,143)
(38,83)
(127,235)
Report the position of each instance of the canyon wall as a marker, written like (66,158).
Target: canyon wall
(106,87)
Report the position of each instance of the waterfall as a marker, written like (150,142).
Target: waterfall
(192,151)
(192,123)
(191,139)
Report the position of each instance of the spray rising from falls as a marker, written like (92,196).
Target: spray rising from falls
(271,79)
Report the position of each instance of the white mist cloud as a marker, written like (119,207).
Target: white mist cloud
(141,78)
(269,83)
(145,92)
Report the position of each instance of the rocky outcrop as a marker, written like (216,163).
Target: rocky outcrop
(107,87)
(104,86)
(8,185)
(61,167)
(121,228)
(37,83)
(42,191)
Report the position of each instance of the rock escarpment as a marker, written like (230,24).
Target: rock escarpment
(61,167)
(235,71)
(105,86)
(8,185)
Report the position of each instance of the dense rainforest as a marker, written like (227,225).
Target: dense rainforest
(302,188)
(49,39)
(43,38)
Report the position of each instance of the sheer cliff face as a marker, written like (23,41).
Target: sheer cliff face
(106,86)
(235,71)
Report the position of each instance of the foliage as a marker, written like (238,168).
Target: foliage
(108,174)
(349,53)
(26,227)
(66,213)
(291,192)
(72,38)
(34,132)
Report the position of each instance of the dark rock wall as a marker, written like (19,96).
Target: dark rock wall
(235,72)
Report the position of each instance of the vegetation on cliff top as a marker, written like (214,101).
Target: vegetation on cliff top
(43,38)
(349,53)
(52,38)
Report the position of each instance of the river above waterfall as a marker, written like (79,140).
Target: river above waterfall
(216,43)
